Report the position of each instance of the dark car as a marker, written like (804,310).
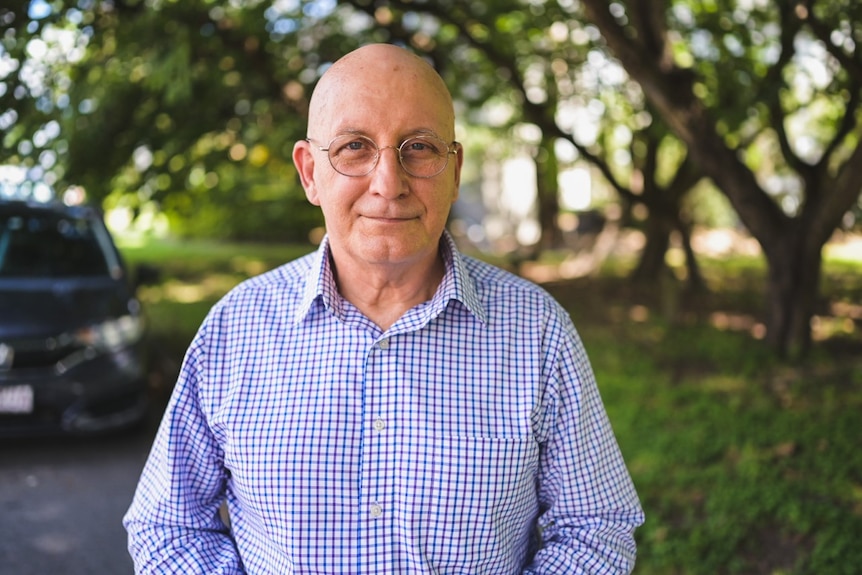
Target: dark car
(72,334)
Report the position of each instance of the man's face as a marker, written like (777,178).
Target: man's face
(386,216)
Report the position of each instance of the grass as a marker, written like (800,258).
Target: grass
(744,465)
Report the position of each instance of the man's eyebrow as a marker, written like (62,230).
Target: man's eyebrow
(422,132)
(425,132)
(350,131)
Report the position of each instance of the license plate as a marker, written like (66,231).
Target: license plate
(16,399)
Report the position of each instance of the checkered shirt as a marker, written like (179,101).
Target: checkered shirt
(468,438)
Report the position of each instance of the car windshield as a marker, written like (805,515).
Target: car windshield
(49,245)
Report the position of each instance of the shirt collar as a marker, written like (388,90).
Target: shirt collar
(319,283)
(457,283)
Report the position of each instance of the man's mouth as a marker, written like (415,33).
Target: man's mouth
(393,219)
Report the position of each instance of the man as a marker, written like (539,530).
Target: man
(385,405)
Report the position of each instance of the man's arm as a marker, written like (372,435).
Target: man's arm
(173,523)
(589,507)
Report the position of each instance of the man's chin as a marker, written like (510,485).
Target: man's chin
(394,248)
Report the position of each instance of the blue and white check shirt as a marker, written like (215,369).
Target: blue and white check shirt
(468,438)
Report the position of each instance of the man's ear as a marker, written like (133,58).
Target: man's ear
(459,161)
(303,159)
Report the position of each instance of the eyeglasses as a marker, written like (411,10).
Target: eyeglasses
(420,156)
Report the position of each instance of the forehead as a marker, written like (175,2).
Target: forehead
(383,119)
(400,96)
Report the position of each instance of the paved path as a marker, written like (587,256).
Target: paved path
(62,502)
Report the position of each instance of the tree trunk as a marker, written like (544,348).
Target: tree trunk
(696,283)
(657,240)
(652,263)
(792,289)
(547,194)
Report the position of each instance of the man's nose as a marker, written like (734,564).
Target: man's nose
(388,177)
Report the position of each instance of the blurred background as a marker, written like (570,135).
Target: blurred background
(683,176)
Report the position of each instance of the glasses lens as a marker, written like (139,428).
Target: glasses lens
(353,155)
(421,156)
(424,156)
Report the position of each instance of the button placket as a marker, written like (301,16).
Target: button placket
(377,474)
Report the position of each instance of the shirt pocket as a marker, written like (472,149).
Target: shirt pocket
(472,502)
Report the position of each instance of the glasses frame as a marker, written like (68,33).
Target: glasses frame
(451,148)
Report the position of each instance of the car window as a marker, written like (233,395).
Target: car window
(49,245)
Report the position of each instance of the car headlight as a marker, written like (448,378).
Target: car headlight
(106,337)
(112,334)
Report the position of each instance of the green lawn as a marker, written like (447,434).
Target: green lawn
(744,464)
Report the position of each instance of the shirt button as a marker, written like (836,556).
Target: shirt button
(379,425)
(384,344)
(376,510)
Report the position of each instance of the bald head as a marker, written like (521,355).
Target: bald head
(377,72)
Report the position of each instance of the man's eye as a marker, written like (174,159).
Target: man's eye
(420,148)
(353,147)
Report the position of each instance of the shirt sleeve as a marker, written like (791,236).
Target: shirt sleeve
(173,523)
(589,508)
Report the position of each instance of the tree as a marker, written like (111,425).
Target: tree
(186,105)
(766,98)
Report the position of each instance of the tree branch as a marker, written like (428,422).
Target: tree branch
(789,28)
(671,92)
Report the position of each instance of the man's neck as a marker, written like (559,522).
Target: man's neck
(384,292)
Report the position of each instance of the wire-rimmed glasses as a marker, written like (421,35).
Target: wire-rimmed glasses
(354,155)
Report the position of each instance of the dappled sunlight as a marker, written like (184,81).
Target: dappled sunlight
(729,321)
(826,327)
(721,242)
(847,310)
(723,383)
(611,244)
(844,246)
(184,293)
(843,319)
(211,287)
(856,493)
(639,313)
(248,266)
(126,241)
